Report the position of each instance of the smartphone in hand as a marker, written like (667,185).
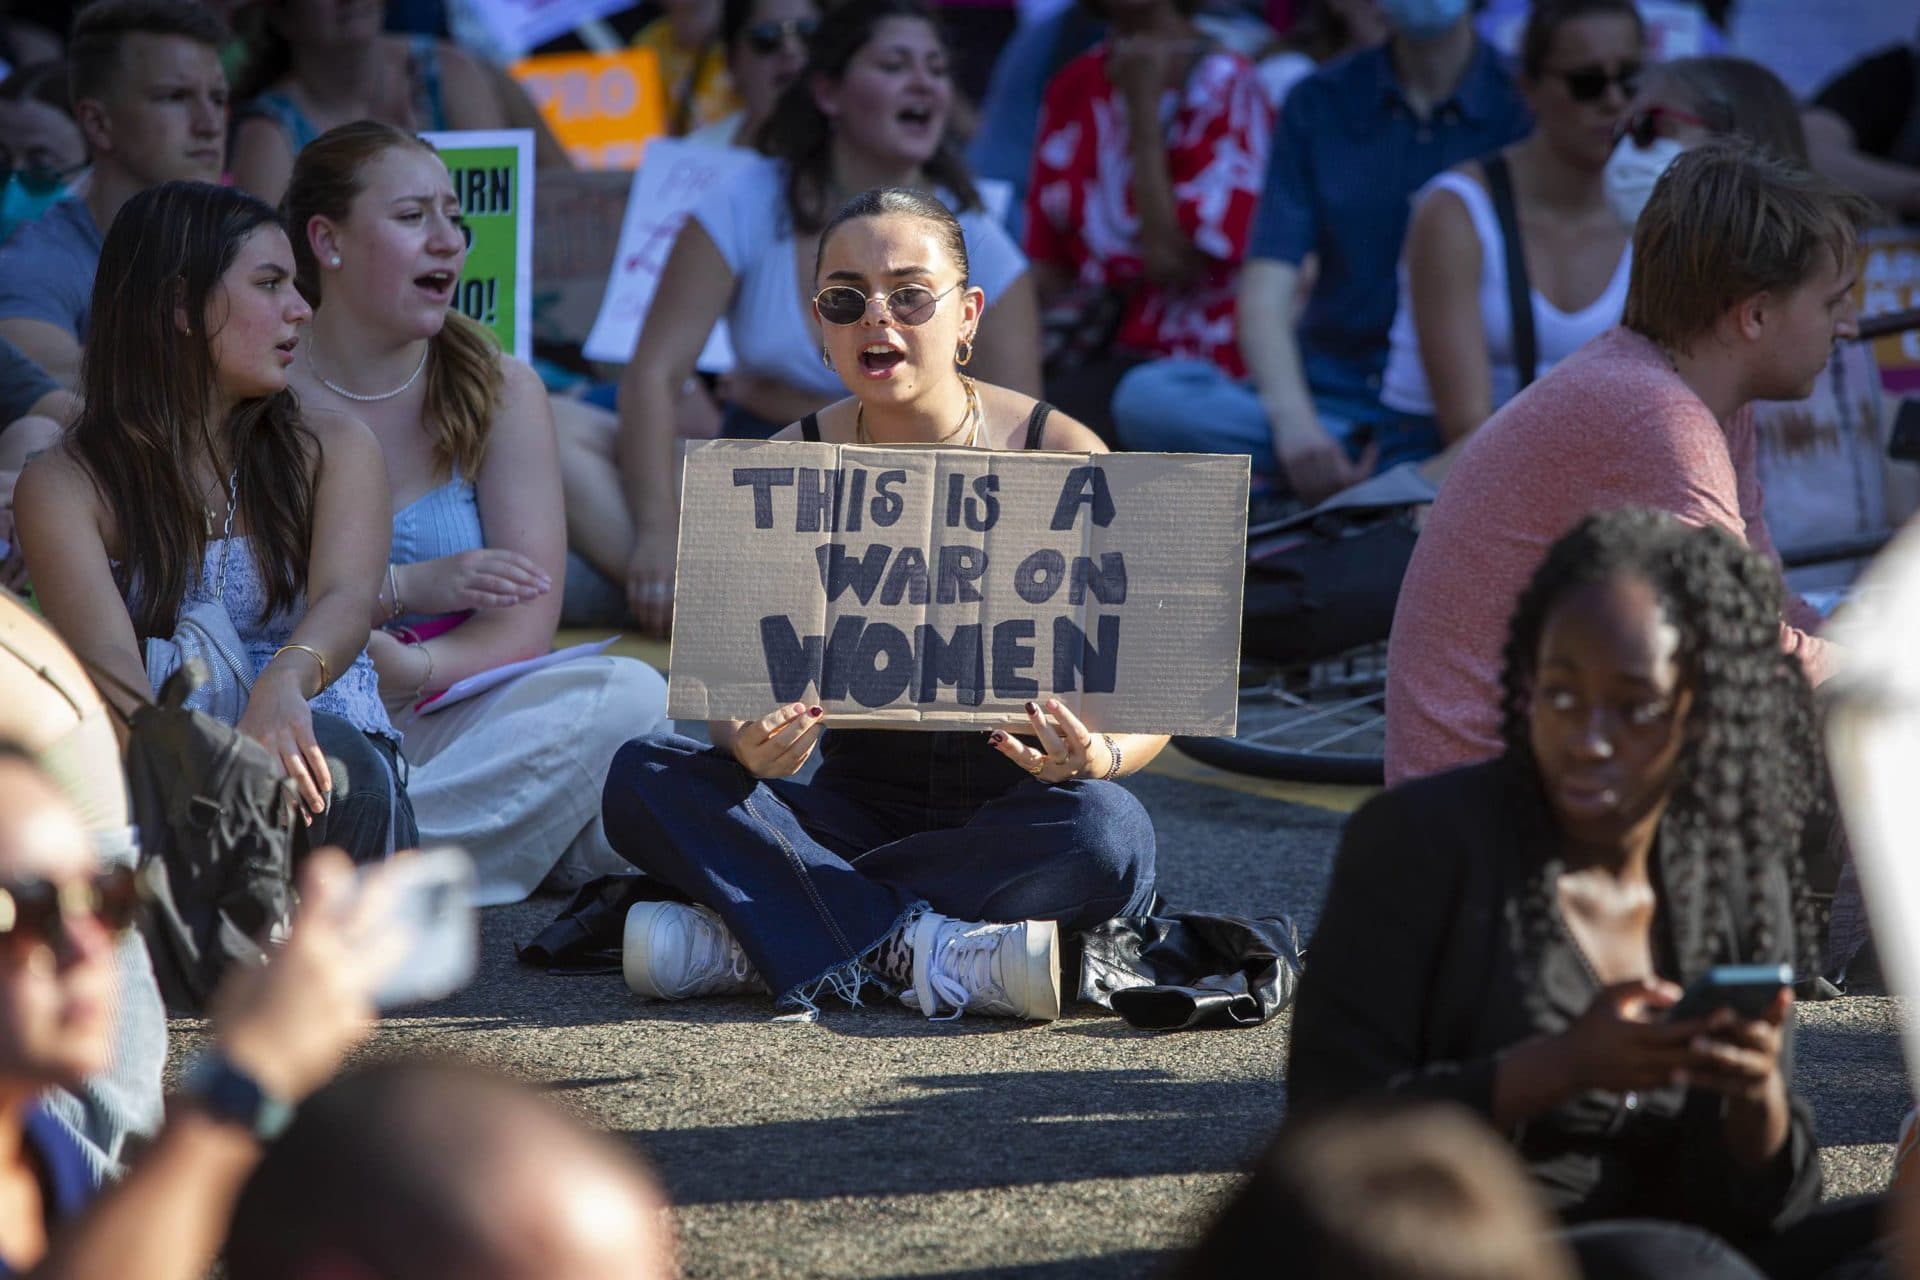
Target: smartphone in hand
(1748,989)
(427,900)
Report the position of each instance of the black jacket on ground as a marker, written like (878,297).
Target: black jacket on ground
(1415,985)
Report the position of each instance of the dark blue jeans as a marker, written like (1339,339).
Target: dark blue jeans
(811,876)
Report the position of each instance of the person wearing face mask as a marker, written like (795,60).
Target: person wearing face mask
(41,147)
(766,44)
(1457,349)
(941,866)
(149,95)
(1683,103)
(478,526)
(1743,271)
(1357,138)
(872,108)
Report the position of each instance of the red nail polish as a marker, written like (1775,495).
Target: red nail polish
(997,737)
(816,712)
(1033,708)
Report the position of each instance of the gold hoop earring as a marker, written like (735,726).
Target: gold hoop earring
(826,358)
(963,354)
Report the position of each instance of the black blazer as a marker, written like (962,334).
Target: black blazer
(1415,984)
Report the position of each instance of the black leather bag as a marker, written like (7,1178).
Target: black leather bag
(1191,969)
(219,837)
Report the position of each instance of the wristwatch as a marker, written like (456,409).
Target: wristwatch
(229,1094)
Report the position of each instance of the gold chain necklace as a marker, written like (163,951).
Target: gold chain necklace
(971,418)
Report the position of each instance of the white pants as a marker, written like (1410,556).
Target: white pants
(514,776)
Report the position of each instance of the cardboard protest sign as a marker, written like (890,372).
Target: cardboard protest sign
(673,180)
(922,588)
(493,176)
(602,107)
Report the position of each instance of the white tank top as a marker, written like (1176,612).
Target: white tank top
(1556,333)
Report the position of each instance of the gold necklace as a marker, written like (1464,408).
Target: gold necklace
(971,418)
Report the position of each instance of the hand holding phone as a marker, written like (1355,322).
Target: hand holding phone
(1747,989)
(422,904)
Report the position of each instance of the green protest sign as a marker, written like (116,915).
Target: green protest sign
(493,176)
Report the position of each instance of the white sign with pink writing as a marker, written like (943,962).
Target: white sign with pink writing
(673,178)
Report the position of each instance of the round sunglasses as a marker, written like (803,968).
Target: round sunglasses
(910,304)
(1589,84)
(40,911)
(766,38)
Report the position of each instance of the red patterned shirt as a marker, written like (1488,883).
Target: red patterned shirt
(1080,206)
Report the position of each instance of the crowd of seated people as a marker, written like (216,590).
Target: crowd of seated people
(239,422)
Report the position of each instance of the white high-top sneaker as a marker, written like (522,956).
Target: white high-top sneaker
(672,951)
(1002,970)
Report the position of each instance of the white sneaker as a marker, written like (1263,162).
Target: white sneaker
(672,951)
(1003,970)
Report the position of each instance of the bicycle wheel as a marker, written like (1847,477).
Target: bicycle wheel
(1322,721)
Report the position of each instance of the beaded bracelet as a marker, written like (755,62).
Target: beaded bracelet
(1113,750)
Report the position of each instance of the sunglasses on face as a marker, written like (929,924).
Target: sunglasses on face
(41,911)
(1589,84)
(766,38)
(910,304)
(1644,126)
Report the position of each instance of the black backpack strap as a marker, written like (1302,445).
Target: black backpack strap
(1037,423)
(1526,358)
(810,428)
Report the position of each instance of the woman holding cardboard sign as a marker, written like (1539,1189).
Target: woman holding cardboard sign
(513,773)
(943,866)
(873,107)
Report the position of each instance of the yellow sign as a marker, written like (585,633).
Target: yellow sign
(601,106)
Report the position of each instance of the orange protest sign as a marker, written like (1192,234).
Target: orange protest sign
(601,106)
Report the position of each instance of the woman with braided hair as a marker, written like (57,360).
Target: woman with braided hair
(1510,935)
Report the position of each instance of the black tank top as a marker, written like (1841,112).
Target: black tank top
(1036,425)
(946,771)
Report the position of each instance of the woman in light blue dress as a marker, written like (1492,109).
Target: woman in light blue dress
(195,507)
(478,523)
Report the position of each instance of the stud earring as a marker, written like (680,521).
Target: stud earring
(963,354)
(826,358)
(334,261)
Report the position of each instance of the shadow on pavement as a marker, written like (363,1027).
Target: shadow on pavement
(964,1132)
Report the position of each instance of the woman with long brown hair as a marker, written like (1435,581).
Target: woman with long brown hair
(941,866)
(194,505)
(478,523)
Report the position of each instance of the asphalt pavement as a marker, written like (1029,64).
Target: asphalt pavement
(873,1143)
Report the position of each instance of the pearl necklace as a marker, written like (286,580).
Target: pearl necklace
(972,418)
(337,389)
